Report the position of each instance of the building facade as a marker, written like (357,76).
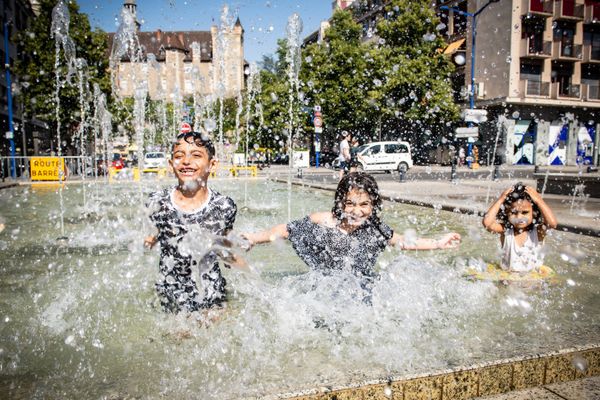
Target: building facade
(536,72)
(184,63)
(28,132)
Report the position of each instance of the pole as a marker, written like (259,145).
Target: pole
(473,33)
(11,130)
(472,95)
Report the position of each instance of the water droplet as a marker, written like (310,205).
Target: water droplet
(580,363)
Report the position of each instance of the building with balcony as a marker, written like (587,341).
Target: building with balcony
(184,63)
(537,73)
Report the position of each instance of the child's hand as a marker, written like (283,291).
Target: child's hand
(449,241)
(149,241)
(248,243)
(535,196)
(506,193)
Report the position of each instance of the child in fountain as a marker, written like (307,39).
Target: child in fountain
(183,211)
(522,218)
(350,236)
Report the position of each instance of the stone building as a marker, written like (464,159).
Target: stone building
(209,63)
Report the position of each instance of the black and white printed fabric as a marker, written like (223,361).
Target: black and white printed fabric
(185,242)
(327,248)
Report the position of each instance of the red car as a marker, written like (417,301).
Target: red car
(118,161)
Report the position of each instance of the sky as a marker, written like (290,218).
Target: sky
(264,21)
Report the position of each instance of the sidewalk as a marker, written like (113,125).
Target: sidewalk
(471,194)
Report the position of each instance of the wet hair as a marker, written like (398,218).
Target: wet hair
(197,138)
(360,181)
(518,193)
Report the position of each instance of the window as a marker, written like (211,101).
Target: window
(531,72)
(375,149)
(395,148)
(565,34)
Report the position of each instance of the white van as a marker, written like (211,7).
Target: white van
(154,161)
(384,156)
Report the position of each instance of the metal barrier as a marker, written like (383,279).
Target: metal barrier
(75,166)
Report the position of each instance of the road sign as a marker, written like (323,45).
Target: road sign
(466,132)
(318,129)
(9,135)
(317,109)
(474,115)
(185,127)
(318,122)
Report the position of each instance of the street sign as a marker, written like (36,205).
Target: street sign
(9,135)
(318,130)
(318,122)
(185,127)
(466,132)
(317,109)
(474,115)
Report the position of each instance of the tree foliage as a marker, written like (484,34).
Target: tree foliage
(37,71)
(396,85)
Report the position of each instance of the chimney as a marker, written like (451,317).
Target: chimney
(158,35)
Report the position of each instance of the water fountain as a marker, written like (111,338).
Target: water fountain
(86,323)
(294,60)
(80,320)
(221,75)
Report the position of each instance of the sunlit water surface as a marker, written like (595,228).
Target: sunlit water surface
(79,318)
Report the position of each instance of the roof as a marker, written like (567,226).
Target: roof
(158,42)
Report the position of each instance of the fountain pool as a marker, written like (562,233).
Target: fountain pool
(79,317)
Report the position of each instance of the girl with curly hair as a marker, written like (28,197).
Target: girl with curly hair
(522,218)
(350,236)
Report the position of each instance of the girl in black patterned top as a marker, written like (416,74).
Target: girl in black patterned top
(188,218)
(351,235)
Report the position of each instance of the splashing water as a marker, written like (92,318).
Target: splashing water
(81,319)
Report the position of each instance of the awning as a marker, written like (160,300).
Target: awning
(454,46)
(522,126)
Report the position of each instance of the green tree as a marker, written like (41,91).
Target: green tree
(275,102)
(415,96)
(37,72)
(338,76)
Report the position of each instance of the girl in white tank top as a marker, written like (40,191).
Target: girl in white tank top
(522,218)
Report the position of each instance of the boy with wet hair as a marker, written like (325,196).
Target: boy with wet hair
(190,215)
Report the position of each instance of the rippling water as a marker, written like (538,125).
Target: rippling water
(79,317)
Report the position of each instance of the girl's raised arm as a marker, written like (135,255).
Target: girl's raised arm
(490,219)
(550,221)
(448,241)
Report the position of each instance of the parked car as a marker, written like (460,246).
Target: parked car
(384,156)
(118,161)
(155,160)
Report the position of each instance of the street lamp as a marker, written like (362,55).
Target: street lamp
(473,34)
(11,131)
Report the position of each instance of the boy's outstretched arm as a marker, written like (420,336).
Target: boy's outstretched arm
(550,221)
(448,241)
(490,218)
(277,232)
